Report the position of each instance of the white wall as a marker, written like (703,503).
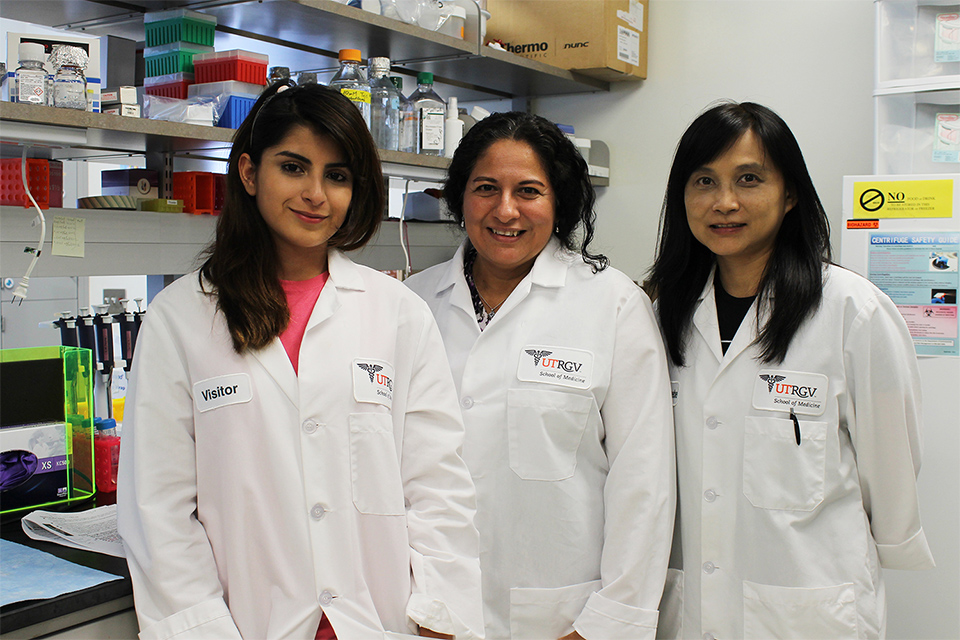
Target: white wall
(812,62)
(809,60)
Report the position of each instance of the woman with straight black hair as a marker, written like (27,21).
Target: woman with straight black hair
(797,399)
(563,384)
(290,461)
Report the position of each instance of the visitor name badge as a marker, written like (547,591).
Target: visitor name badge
(373,381)
(803,393)
(556,365)
(223,390)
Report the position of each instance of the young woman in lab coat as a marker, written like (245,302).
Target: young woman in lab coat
(563,384)
(292,443)
(797,399)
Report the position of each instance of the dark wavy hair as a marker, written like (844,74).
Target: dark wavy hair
(241,263)
(792,284)
(565,167)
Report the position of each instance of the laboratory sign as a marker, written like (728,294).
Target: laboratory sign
(903,199)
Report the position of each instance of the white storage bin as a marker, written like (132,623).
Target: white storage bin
(907,131)
(914,47)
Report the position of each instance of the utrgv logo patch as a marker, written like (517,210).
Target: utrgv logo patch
(373,381)
(556,365)
(804,393)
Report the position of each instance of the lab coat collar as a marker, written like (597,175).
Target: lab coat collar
(344,274)
(706,322)
(551,266)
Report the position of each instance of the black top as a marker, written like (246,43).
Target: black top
(730,312)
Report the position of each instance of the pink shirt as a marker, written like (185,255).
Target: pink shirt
(301,299)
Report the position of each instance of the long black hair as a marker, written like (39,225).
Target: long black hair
(792,284)
(566,169)
(242,262)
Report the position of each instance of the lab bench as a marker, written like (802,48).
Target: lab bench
(104,611)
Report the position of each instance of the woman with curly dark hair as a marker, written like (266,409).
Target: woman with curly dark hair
(564,390)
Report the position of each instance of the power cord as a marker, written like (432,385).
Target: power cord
(20,293)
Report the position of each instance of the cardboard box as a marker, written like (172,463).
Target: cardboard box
(117,109)
(603,39)
(90,45)
(121,95)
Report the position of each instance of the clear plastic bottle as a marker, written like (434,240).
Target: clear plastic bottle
(431,112)
(350,81)
(408,120)
(384,106)
(30,76)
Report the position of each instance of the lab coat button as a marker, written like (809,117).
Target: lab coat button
(709,567)
(326,598)
(466,402)
(309,426)
(709,636)
(709,495)
(712,422)
(317,512)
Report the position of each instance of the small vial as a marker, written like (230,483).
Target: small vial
(30,75)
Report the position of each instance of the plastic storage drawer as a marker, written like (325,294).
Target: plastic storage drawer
(179,25)
(173,85)
(44,177)
(236,64)
(235,111)
(171,58)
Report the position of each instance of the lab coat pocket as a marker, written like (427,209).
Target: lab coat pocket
(544,431)
(793,612)
(539,614)
(670,623)
(779,474)
(374,466)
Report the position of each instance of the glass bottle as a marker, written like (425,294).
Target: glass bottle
(408,120)
(70,88)
(69,83)
(349,81)
(384,106)
(30,76)
(431,112)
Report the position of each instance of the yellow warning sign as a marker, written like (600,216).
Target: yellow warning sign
(903,199)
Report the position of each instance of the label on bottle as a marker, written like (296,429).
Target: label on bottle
(31,86)
(431,128)
(356,95)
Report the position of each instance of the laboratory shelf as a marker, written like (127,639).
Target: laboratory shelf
(317,29)
(145,242)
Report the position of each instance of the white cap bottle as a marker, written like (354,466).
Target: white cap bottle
(452,128)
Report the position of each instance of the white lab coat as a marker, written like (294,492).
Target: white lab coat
(575,473)
(787,541)
(250,498)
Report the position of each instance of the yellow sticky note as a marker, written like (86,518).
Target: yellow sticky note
(903,199)
(68,236)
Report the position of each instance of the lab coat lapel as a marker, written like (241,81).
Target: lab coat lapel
(273,358)
(705,319)
(453,277)
(746,335)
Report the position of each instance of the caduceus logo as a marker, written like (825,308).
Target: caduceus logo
(537,355)
(371,369)
(771,380)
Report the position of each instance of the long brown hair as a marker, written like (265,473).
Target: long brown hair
(241,263)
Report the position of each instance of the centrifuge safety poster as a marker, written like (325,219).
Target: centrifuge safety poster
(919,271)
(903,233)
